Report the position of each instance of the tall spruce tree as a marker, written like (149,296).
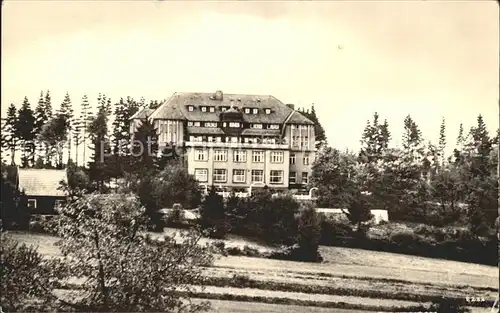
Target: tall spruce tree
(375,140)
(12,138)
(480,178)
(123,111)
(412,136)
(457,152)
(86,118)
(41,119)
(66,112)
(48,105)
(25,131)
(98,133)
(319,131)
(442,142)
(77,136)
(145,148)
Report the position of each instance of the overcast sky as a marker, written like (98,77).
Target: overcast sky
(429,59)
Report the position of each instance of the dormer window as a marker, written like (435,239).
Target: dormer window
(247,110)
(190,108)
(212,109)
(203,109)
(268,111)
(255,111)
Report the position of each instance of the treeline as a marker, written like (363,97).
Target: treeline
(42,135)
(415,182)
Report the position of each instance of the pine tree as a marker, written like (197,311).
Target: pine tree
(48,105)
(66,111)
(375,140)
(77,135)
(384,136)
(12,138)
(480,177)
(319,131)
(41,119)
(85,118)
(25,131)
(98,133)
(460,137)
(442,141)
(124,110)
(145,148)
(480,146)
(457,152)
(412,136)
(368,145)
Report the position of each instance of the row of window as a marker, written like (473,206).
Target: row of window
(238,176)
(251,140)
(211,109)
(231,124)
(239,156)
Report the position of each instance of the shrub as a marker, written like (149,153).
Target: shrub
(333,229)
(213,216)
(294,253)
(308,235)
(241,281)
(26,279)
(445,305)
(234,251)
(219,244)
(251,252)
(41,224)
(175,218)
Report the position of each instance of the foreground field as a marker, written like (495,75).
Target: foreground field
(348,278)
(221,306)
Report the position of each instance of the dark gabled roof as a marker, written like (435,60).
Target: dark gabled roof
(204,130)
(297,118)
(41,182)
(260,132)
(142,114)
(177,107)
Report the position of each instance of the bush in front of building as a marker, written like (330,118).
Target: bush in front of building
(213,219)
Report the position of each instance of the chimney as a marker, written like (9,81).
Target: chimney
(291,106)
(219,95)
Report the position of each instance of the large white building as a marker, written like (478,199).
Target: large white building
(235,140)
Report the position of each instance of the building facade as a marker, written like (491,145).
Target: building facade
(236,141)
